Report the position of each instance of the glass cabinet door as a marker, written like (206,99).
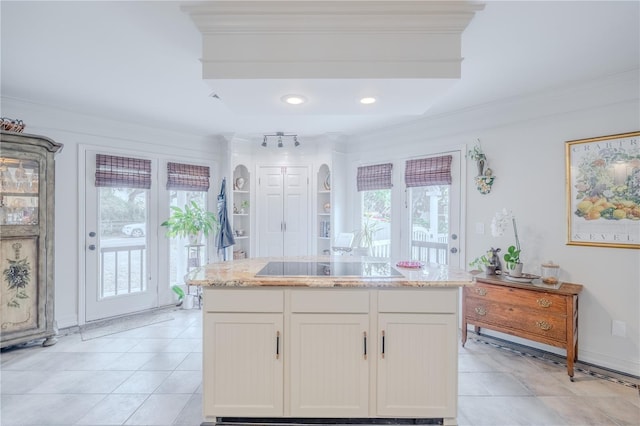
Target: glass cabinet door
(19,185)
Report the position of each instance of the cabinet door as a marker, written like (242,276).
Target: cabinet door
(243,374)
(329,367)
(417,365)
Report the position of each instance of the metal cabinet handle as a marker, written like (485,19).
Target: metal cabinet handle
(545,303)
(544,325)
(365,344)
(481,291)
(382,343)
(277,345)
(481,311)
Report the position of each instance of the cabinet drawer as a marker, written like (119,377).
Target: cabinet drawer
(250,300)
(432,300)
(533,299)
(517,318)
(330,301)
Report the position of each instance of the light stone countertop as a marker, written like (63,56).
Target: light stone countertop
(242,273)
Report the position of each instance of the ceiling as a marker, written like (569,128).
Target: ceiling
(140,62)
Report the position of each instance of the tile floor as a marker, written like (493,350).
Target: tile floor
(152,376)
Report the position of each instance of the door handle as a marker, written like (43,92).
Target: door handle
(92,246)
(92,234)
(453,250)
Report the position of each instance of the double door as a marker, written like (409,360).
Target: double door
(283,211)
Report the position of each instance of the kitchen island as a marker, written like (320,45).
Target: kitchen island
(320,337)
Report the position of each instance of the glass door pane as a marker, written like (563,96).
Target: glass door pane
(123,241)
(179,259)
(376,222)
(19,180)
(430,206)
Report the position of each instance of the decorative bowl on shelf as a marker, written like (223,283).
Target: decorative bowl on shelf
(524,278)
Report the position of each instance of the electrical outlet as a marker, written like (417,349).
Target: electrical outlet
(619,328)
(480,228)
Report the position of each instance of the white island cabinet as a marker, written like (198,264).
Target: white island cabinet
(330,348)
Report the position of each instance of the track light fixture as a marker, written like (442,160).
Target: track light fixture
(281,139)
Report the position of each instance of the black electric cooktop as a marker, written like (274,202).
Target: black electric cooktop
(328,269)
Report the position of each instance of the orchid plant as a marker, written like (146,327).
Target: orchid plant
(499,225)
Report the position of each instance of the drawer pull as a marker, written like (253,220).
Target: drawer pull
(481,311)
(481,291)
(544,325)
(545,303)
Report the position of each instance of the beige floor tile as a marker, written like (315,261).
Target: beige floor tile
(159,409)
(191,414)
(150,345)
(503,384)
(193,362)
(576,411)
(113,410)
(143,382)
(164,361)
(181,382)
(46,409)
(81,382)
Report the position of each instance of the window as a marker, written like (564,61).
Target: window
(186,183)
(123,185)
(375,227)
(428,181)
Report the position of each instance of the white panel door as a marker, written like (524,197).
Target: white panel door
(283,211)
(270,211)
(329,365)
(243,365)
(417,365)
(296,205)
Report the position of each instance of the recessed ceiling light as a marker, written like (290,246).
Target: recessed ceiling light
(294,99)
(368,100)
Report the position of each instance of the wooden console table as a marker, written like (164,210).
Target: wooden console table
(542,313)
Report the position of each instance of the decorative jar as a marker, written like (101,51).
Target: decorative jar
(550,272)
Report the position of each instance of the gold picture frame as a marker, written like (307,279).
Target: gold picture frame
(603,191)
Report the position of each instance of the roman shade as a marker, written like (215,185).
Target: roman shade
(122,172)
(187,177)
(428,171)
(371,178)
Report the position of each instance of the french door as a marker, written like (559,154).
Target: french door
(434,219)
(119,244)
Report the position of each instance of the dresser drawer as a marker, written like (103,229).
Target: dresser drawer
(546,302)
(517,318)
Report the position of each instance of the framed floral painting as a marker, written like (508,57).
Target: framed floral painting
(603,191)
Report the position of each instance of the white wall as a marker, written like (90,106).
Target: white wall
(524,140)
(72,130)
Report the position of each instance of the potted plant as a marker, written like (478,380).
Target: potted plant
(479,263)
(191,222)
(512,257)
(364,238)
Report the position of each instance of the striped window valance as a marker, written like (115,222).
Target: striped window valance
(122,172)
(187,177)
(371,178)
(428,171)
